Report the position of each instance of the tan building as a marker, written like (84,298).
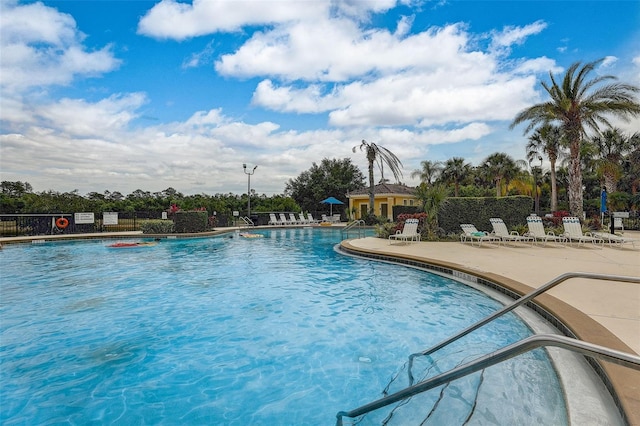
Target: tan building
(386,196)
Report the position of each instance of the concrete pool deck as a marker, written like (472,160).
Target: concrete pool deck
(605,313)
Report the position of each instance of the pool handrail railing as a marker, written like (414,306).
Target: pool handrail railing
(508,352)
(524,299)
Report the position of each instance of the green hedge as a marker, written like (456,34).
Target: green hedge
(478,210)
(157,227)
(191,221)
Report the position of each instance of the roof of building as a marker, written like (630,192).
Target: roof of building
(385,188)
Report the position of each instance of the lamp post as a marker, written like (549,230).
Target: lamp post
(244,166)
(535,184)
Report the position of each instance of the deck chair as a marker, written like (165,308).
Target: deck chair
(614,239)
(293,220)
(409,232)
(283,219)
(536,230)
(273,220)
(471,234)
(573,232)
(302,220)
(311,219)
(500,230)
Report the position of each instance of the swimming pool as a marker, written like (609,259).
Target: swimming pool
(273,330)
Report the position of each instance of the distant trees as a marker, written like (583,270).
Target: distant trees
(331,177)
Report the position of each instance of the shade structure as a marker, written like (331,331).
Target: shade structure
(331,201)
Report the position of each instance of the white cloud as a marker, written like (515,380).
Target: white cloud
(41,47)
(511,35)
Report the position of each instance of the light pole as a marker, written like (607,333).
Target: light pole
(244,166)
(535,184)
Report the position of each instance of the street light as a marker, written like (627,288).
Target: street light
(535,184)
(244,166)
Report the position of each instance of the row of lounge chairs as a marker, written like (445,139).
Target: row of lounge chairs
(572,233)
(292,220)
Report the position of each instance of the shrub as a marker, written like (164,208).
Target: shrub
(157,226)
(191,221)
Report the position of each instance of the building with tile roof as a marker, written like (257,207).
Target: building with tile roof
(386,195)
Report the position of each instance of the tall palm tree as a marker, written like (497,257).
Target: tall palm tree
(547,139)
(611,148)
(429,171)
(379,155)
(455,171)
(579,104)
(501,167)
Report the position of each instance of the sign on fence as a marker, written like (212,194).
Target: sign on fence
(83,218)
(109,218)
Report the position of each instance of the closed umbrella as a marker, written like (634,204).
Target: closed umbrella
(331,201)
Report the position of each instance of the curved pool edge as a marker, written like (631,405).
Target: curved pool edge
(623,383)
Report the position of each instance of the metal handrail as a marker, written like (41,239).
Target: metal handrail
(515,349)
(359,223)
(247,220)
(524,299)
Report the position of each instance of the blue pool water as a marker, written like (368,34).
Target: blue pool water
(269,331)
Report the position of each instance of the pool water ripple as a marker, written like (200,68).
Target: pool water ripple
(277,330)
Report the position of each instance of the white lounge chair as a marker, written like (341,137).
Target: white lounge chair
(311,219)
(293,220)
(500,230)
(573,232)
(536,230)
(471,234)
(283,219)
(614,239)
(273,220)
(409,232)
(302,220)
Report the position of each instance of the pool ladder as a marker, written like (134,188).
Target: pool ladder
(357,226)
(508,352)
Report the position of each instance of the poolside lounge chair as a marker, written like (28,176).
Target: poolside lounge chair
(500,230)
(311,219)
(536,230)
(283,219)
(302,220)
(573,232)
(470,234)
(614,239)
(273,220)
(293,220)
(409,232)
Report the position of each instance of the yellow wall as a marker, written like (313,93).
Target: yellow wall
(391,200)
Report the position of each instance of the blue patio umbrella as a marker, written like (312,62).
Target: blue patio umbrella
(331,201)
(603,201)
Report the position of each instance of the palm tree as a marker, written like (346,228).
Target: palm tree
(455,171)
(611,148)
(430,171)
(501,167)
(380,155)
(547,139)
(577,105)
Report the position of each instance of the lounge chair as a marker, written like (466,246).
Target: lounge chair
(573,232)
(273,220)
(471,234)
(409,232)
(500,230)
(302,220)
(614,239)
(311,219)
(536,230)
(283,219)
(293,220)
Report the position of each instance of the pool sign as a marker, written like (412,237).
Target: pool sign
(109,218)
(83,218)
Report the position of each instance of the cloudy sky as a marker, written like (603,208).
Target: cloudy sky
(124,95)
